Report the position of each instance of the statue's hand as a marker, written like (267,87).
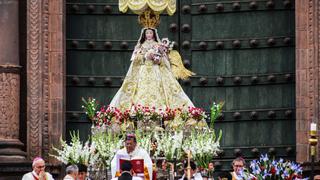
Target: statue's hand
(150,56)
(156,61)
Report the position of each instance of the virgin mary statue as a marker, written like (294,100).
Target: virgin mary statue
(152,76)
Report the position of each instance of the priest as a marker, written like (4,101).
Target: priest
(132,150)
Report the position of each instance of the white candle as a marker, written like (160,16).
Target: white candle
(313,127)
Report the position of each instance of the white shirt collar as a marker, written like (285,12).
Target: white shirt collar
(134,152)
(35,174)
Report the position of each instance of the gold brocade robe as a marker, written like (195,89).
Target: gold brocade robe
(150,84)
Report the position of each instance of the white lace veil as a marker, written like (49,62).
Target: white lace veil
(138,43)
(144,29)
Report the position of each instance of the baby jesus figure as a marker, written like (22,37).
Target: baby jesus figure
(159,50)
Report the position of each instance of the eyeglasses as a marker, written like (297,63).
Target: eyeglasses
(40,167)
(239,166)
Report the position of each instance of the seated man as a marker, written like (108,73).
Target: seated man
(238,166)
(72,172)
(193,172)
(38,173)
(126,172)
(132,150)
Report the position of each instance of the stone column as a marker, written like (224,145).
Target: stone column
(307,74)
(10,145)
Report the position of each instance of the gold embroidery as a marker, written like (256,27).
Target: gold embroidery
(150,84)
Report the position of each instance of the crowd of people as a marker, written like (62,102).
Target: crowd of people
(80,172)
(131,149)
(125,171)
(73,172)
(237,166)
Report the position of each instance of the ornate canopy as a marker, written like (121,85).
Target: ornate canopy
(138,6)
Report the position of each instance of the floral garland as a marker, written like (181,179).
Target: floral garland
(171,118)
(186,129)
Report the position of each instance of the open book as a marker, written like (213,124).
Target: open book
(136,162)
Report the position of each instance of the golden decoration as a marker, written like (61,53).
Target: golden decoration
(149,19)
(179,71)
(142,85)
(139,6)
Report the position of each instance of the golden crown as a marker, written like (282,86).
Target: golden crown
(149,19)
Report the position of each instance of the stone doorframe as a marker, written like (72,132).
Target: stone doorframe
(46,74)
(307,73)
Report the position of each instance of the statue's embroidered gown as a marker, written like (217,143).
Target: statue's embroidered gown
(150,84)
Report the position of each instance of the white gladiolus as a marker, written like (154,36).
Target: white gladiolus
(75,153)
(203,146)
(106,144)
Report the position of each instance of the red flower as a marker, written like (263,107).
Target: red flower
(273,171)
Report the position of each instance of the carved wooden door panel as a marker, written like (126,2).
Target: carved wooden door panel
(243,53)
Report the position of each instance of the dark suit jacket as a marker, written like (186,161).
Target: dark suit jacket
(125,176)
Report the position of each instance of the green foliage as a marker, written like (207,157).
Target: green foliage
(215,112)
(90,106)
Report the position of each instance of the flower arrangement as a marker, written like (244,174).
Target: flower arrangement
(215,112)
(90,106)
(265,168)
(194,118)
(186,129)
(76,152)
(99,154)
(168,114)
(173,118)
(105,145)
(107,115)
(197,114)
(203,146)
(169,144)
(136,112)
(144,139)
